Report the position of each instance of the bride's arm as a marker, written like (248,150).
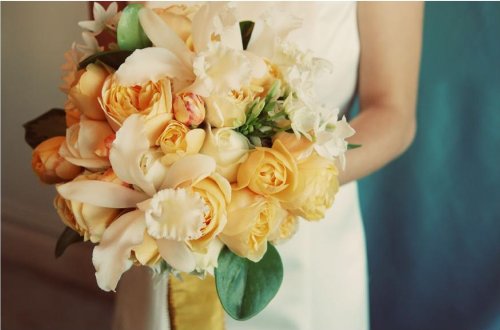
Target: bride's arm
(390,36)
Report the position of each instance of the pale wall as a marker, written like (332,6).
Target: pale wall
(34,37)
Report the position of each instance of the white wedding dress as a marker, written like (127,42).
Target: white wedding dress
(325,272)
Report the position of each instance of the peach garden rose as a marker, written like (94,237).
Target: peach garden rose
(49,165)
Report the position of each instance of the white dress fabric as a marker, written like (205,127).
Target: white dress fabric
(325,272)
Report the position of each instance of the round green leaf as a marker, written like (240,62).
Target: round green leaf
(245,287)
(130,35)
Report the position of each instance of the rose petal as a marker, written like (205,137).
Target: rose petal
(194,140)
(111,258)
(100,193)
(177,255)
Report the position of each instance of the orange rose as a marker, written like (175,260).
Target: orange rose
(49,165)
(150,99)
(269,172)
(86,91)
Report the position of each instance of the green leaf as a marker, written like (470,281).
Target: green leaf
(246,28)
(129,32)
(353,146)
(50,124)
(112,58)
(68,237)
(244,287)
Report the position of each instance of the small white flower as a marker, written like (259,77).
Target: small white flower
(90,46)
(102,18)
(330,138)
(304,120)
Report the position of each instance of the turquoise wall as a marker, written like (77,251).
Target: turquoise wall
(433,216)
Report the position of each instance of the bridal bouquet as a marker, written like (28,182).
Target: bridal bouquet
(193,143)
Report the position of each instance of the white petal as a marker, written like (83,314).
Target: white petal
(216,18)
(126,152)
(100,193)
(111,258)
(89,25)
(153,64)
(177,255)
(161,35)
(189,169)
(175,214)
(219,70)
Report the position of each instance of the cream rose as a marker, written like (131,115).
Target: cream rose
(216,194)
(150,99)
(251,219)
(49,165)
(269,172)
(226,110)
(84,94)
(286,229)
(178,140)
(88,220)
(87,144)
(316,188)
(228,148)
(298,146)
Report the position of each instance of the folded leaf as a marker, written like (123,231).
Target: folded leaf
(68,237)
(50,124)
(244,287)
(113,58)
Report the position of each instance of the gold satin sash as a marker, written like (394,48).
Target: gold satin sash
(193,304)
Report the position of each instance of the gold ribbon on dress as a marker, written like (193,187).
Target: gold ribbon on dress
(193,304)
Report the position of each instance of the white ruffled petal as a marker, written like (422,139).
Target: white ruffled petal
(111,258)
(175,214)
(100,193)
(219,70)
(177,254)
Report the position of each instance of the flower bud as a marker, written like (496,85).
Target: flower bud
(189,109)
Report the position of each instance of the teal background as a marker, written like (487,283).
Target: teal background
(432,217)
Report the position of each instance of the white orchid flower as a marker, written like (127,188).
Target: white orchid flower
(90,45)
(102,18)
(169,213)
(218,65)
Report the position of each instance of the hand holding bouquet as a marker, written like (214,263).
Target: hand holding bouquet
(195,143)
